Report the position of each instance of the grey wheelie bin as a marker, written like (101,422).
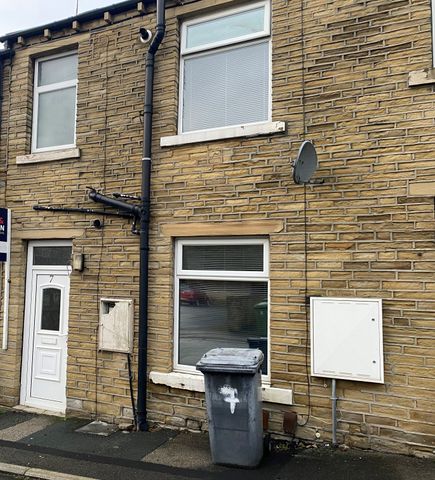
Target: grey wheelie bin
(233,396)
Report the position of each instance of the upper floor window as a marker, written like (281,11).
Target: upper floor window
(225,69)
(54,102)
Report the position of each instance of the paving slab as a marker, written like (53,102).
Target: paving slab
(11,417)
(191,451)
(195,448)
(62,435)
(26,428)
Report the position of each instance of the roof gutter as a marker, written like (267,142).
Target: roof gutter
(145,214)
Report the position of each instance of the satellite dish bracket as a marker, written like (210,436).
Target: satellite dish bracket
(316,181)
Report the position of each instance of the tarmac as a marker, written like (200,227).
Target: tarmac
(54,448)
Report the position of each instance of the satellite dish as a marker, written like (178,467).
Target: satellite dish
(306,163)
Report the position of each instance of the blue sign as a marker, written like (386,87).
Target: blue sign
(4,234)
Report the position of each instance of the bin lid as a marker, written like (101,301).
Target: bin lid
(261,305)
(233,360)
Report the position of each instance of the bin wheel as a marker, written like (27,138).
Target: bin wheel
(267,444)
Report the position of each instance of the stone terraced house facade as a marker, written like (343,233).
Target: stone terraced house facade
(236,247)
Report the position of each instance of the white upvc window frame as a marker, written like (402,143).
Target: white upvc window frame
(186,53)
(185,50)
(50,88)
(219,275)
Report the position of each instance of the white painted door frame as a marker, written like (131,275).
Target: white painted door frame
(32,309)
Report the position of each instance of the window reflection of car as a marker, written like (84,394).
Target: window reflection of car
(193,296)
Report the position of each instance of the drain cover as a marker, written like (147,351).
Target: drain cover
(98,428)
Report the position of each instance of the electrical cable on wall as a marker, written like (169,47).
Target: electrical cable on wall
(307,332)
(130,380)
(103,185)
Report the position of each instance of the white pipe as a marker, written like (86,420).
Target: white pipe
(7,280)
(334,410)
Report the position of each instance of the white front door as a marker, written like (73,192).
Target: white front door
(46,326)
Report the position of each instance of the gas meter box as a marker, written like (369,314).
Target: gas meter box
(233,395)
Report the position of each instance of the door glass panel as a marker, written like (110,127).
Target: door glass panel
(51,256)
(50,312)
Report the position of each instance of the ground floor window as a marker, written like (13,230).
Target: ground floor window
(221,298)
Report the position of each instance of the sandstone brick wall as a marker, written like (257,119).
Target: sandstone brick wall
(344,85)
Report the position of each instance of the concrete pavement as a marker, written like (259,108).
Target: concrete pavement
(46,447)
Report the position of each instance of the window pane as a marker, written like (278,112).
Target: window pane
(216,314)
(50,312)
(248,258)
(225,88)
(224,28)
(56,118)
(52,256)
(57,70)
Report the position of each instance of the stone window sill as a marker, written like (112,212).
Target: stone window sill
(195,383)
(265,128)
(421,77)
(50,156)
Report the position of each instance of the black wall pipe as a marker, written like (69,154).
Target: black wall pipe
(3,54)
(145,217)
(1,95)
(91,211)
(114,203)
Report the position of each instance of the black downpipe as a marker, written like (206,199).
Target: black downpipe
(3,54)
(1,95)
(145,217)
(1,90)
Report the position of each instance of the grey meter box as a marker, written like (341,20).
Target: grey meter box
(233,396)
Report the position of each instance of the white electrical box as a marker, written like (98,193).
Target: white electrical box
(346,339)
(116,325)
